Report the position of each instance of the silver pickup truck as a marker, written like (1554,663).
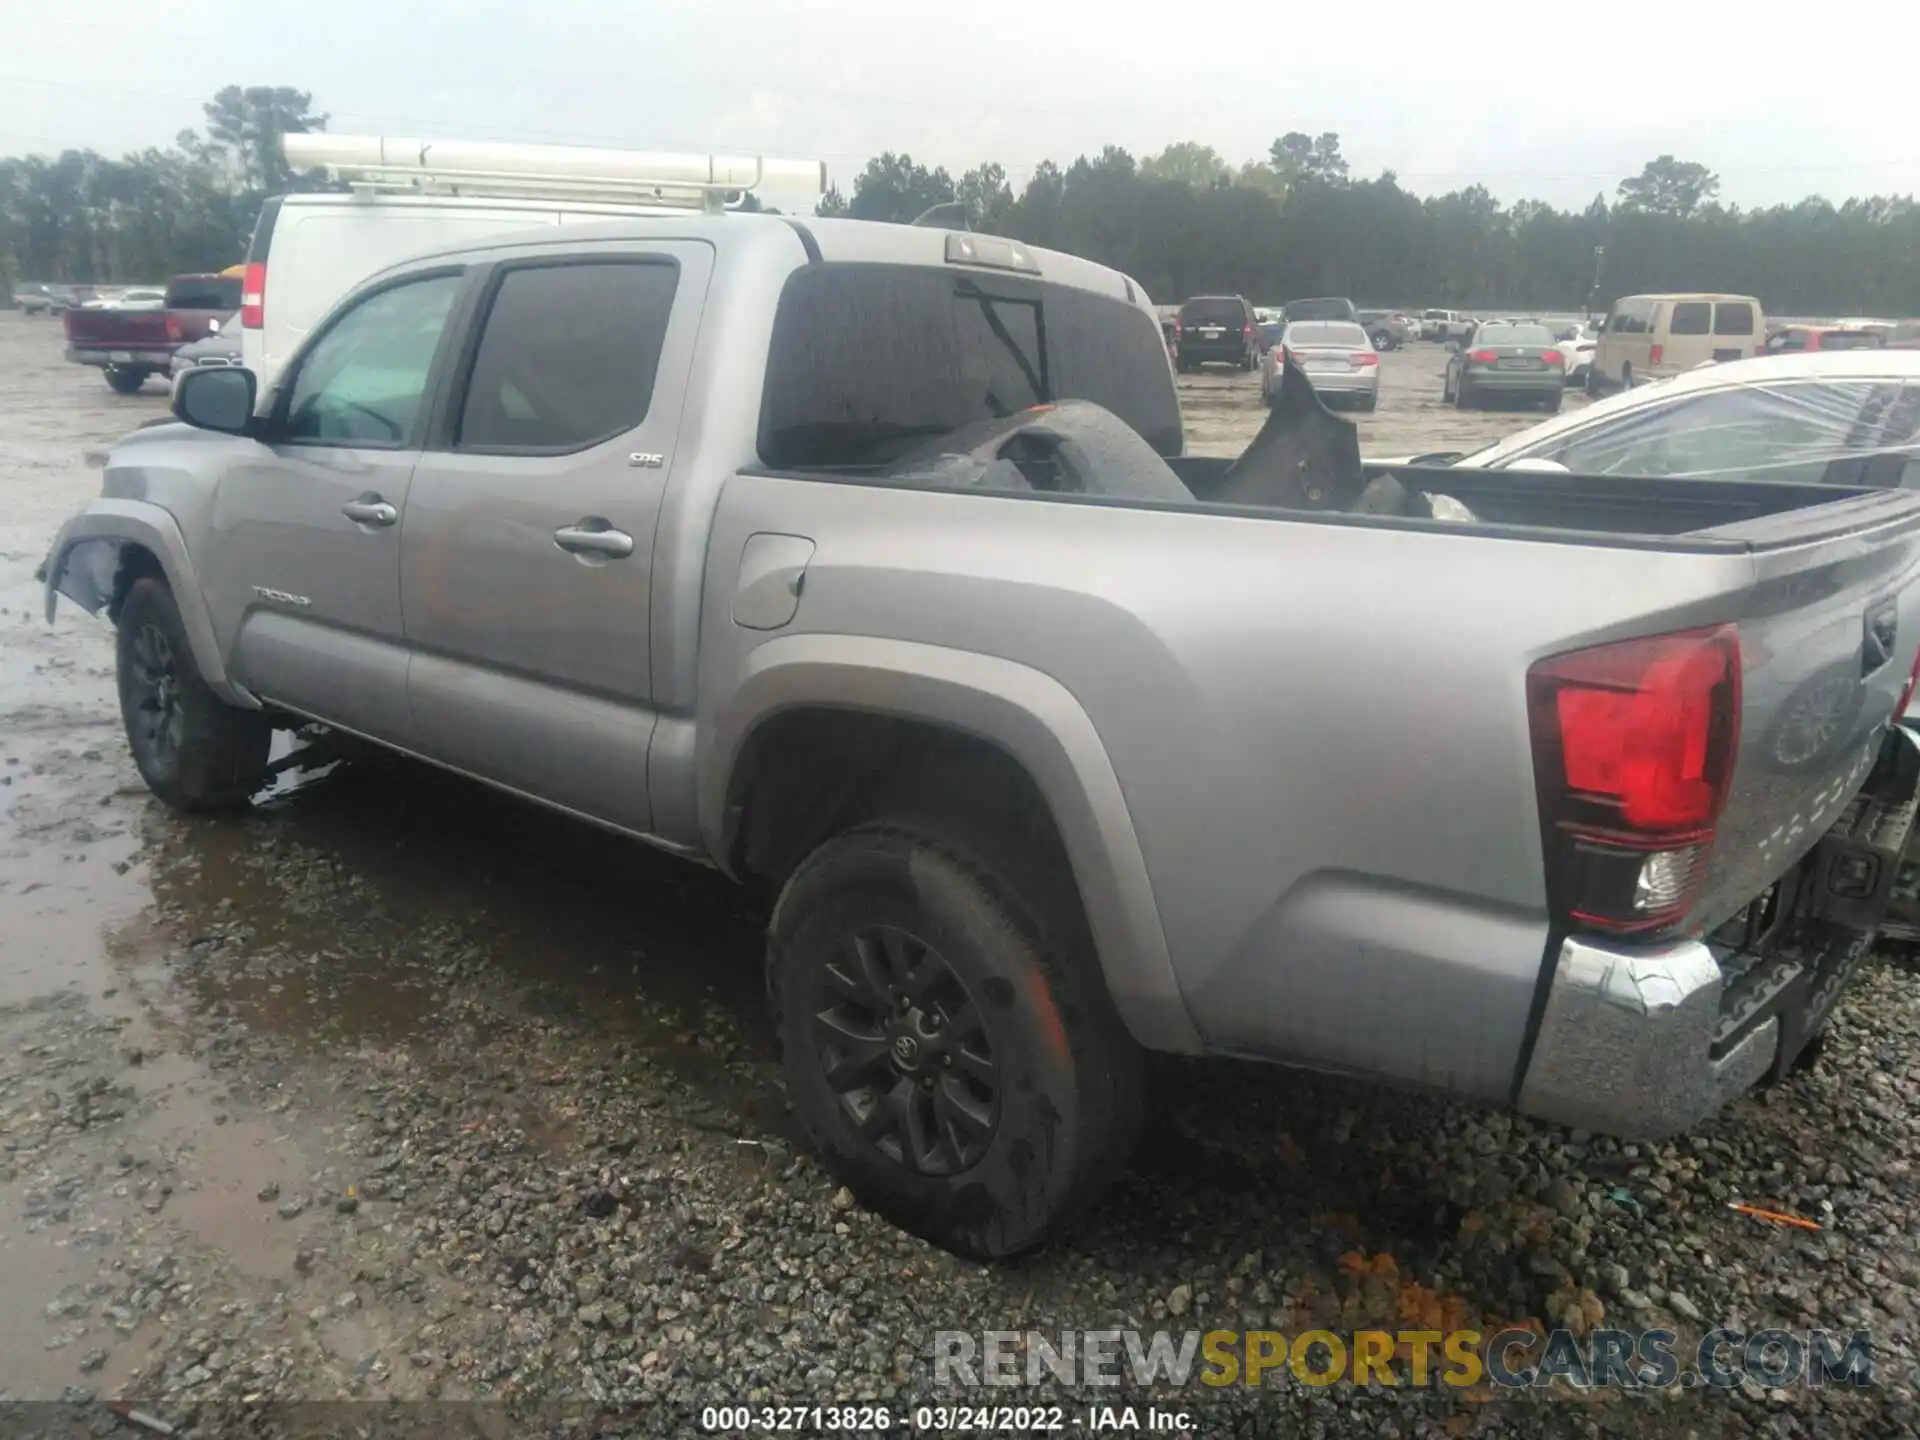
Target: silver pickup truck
(863,562)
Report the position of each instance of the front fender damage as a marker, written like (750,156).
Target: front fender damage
(89,559)
(82,570)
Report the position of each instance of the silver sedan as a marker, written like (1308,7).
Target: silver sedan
(1338,357)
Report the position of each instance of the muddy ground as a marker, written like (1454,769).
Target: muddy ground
(398,1091)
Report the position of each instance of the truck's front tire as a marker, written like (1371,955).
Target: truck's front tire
(195,751)
(955,1062)
(126,379)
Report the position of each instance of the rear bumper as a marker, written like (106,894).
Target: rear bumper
(1647,1043)
(101,358)
(1513,382)
(1213,352)
(1625,1046)
(1347,382)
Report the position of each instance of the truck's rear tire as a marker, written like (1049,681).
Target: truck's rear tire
(195,751)
(126,379)
(952,1056)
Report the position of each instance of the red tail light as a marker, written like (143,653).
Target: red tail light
(1364,357)
(1553,357)
(253,295)
(1654,353)
(1483,357)
(1176,328)
(174,333)
(1246,332)
(1634,745)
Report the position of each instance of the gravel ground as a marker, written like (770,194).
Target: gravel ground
(396,1091)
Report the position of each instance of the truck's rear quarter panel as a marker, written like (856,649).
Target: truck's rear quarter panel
(1320,729)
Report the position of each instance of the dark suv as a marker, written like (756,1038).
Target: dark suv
(1216,330)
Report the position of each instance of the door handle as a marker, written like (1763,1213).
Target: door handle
(594,536)
(370,510)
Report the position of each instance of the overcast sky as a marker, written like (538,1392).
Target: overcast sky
(1552,99)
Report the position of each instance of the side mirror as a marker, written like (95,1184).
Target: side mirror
(1453,347)
(220,398)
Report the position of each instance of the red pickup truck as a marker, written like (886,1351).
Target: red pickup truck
(129,344)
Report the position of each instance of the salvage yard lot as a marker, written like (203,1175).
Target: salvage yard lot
(397,1089)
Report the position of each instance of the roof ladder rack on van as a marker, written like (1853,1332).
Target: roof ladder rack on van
(385,165)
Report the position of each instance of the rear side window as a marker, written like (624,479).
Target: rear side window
(212,293)
(1786,340)
(1213,311)
(1692,317)
(568,355)
(1733,318)
(869,361)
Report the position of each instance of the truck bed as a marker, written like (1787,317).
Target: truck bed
(1619,510)
(109,328)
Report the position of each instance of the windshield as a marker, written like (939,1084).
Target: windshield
(1512,335)
(1212,311)
(1325,333)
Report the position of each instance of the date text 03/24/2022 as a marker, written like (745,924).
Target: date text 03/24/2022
(944,1419)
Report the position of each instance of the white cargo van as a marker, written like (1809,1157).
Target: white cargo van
(1649,337)
(407,196)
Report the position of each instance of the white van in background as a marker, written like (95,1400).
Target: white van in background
(1649,337)
(408,196)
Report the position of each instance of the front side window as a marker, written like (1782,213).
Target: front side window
(568,355)
(363,381)
(1789,432)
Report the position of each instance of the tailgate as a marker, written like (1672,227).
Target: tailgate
(143,328)
(1829,632)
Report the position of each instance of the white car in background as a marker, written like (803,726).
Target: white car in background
(1849,417)
(1577,343)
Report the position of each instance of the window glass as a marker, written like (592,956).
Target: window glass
(1759,432)
(363,380)
(1733,318)
(204,292)
(1786,340)
(1213,311)
(1327,332)
(1512,335)
(869,361)
(568,355)
(1691,317)
(1849,340)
